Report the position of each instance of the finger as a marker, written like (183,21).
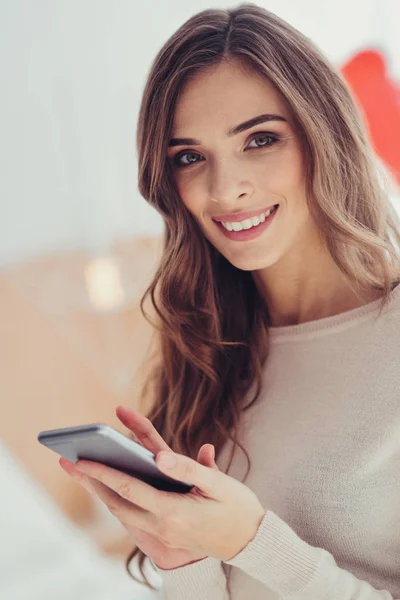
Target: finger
(75,474)
(209,481)
(143,428)
(213,453)
(125,511)
(211,460)
(206,456)
(130,488)
(202,456)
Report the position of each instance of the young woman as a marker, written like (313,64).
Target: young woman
(278,319)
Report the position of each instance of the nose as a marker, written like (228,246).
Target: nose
(227,185)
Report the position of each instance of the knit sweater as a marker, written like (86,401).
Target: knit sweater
(324,443)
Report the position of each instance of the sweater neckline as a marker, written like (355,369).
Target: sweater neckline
(333,323)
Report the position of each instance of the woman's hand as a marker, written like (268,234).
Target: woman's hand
(217,518)
(147,436)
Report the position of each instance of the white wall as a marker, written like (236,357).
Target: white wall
(72,73)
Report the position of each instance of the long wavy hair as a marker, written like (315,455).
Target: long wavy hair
(211,323)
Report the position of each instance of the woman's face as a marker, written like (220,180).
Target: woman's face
(217,173)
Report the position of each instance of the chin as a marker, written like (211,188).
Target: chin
(256,264)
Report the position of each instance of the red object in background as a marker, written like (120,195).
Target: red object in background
(379,97)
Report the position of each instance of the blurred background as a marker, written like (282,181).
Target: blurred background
(78,246)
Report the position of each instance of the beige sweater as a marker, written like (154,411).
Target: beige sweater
(324,442)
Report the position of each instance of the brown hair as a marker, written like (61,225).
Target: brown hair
(212,325)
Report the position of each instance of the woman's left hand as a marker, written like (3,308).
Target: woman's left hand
(217,518)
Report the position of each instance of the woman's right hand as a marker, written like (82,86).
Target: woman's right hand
(146,434)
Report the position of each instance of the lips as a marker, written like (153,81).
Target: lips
(242,216)
(251,233)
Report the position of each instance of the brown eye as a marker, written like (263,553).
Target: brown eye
(264,136)
(177,162)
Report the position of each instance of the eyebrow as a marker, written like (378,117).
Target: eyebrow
(233,131)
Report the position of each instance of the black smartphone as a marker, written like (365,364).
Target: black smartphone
(104,444)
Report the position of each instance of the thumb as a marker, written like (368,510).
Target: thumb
(192,472)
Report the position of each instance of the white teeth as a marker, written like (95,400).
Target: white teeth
(248,223)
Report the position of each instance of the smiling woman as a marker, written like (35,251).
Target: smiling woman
(297,309)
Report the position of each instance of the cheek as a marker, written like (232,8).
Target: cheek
(283,176)
(193,196)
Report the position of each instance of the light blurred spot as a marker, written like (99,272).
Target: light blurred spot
(103,282)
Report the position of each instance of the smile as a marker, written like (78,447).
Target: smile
(250,232)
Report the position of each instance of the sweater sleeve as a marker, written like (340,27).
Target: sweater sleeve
(202,579)
(292,568)
(282,561)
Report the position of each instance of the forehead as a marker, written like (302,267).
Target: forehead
(223,96)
